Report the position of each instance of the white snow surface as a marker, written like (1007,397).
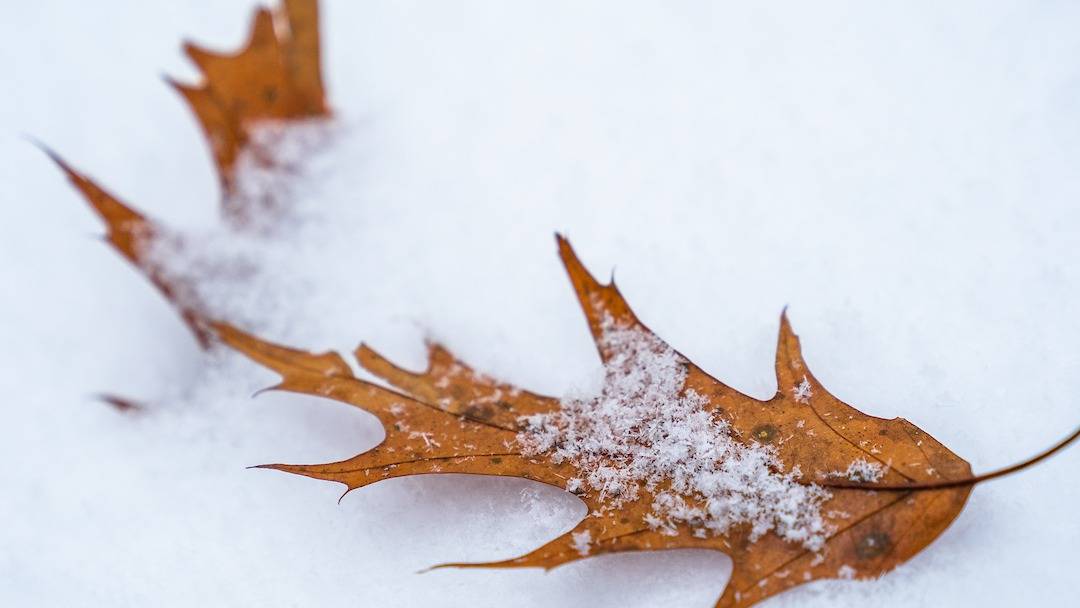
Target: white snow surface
(642,429)
(903,177)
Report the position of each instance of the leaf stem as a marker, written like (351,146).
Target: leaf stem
(957,483)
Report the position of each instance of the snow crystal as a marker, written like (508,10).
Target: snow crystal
(643,431)
(846,572)
(425,437)
(582,542)
(862,470)
(803,391)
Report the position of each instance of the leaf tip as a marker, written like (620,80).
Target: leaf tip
(345,493)
(53,156)
(265,390)
(120,404)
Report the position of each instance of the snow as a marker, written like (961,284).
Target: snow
(582,542)
(861,471)
(902,177)
(803,391)
(275,157)
(642,429)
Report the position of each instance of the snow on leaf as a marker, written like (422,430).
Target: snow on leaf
(132,235)
(262,110)
(275,77)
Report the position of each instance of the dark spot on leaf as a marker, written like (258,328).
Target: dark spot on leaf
(269,94)
(764,433)
(496,460)
(479,412)
(872,545)
(883,432)
(506,405)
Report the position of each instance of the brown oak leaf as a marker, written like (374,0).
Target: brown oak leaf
(276,76)
(132,234)
(274,83)
(453,419)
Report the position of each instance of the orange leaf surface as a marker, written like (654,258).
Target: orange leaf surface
(452,419)
(276,76)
